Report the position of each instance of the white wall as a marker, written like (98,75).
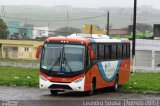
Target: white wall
(147,54)
(40,32)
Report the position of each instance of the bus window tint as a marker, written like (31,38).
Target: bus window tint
(107,51)
(128,51)
(119,51)
(94,47)
(124,51)
(101,52)
(113,52)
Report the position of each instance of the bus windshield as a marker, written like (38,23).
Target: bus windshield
(63,57)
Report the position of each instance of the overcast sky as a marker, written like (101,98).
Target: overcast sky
(83,3)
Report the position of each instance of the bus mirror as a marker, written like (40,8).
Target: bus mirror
(91,54)
(38,51)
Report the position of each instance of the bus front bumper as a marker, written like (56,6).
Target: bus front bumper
(77,85)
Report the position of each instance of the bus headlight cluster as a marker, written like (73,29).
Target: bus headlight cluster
(43,78)
(78,80)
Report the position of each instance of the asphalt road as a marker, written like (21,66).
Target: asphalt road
(22,96)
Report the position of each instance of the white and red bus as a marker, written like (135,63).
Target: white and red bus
(83,63)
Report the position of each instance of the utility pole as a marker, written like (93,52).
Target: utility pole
(67,22)
(134,28)
(107,23)
(2,10)
(26,21)
(134,34)
(91,30)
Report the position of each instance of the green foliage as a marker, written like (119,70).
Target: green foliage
(143,27)
(64,31)
(11,76)
(139,35)
(142,83)
(3,29)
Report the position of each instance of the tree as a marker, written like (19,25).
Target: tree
(3,30)
(143,27)
(67,31)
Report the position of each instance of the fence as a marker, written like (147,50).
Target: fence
(147,55)
(20,64)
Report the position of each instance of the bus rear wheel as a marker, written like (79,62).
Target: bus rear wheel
(54,92)
(115,87)
(93,88)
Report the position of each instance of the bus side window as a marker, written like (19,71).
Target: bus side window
(88,61)
(128,50)
(95,49)
(124,50)
(101,52)
(107,52)
(119,51)
(113,52)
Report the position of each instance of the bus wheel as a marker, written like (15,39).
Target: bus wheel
(93,88)
(115,87)
(53,92)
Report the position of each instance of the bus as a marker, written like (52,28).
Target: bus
(83,62)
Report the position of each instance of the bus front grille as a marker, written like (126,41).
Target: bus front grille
(57,86)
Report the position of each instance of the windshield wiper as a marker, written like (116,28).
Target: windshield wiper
(58,60)
(62,61)
(65,60)
(68,64)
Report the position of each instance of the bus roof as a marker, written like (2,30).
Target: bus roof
(88,38)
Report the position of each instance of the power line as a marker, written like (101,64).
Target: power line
(84,18)
(113,19)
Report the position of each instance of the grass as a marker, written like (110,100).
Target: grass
(11,76)
(142,83)
(138,35)
(139,82)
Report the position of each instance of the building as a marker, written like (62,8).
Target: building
(51,32)
(32,32)
(39,32)
(19,49)
(14,28)
(95,29)
(156,31)
(119,32)
(28,31)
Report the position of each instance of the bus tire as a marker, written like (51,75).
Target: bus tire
(93,88)
(54,92)
(115,87)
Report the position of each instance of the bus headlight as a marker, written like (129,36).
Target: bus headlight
(43,78)
(78,80)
